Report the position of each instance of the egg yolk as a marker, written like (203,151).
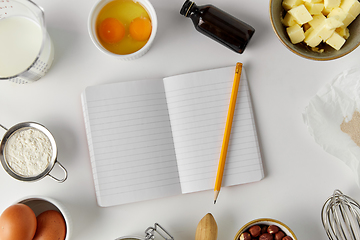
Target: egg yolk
(140,29)
(111,30)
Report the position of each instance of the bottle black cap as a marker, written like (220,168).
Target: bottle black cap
(185,8)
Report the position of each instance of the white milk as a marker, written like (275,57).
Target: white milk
(20,43)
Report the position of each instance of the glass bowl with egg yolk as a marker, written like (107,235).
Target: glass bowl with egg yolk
(123,26)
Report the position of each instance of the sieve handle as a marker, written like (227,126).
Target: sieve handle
(64,178)
(3,127)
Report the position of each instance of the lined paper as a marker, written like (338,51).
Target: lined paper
(157,138)
(132,151)
(198,104)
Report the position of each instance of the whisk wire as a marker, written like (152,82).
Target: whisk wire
(345,210)
(341,217)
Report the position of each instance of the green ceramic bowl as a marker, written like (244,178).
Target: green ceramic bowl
(276,14)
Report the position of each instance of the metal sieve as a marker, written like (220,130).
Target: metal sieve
(23,126)
(150,234)
(340,216)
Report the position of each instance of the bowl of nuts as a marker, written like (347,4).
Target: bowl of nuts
(317,29)
(265,229)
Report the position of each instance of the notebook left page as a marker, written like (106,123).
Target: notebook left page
(130,143)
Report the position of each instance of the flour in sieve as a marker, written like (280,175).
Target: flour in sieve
(28,152)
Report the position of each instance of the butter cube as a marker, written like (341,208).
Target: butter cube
(349,18)
(324,32)
(351,6)
(301,14)
(295,33)
(317,20)
(289,4)
(326,11)
(343,31)
(314,8)
(335,41)
(332,23)
(312,38)
(337,13)
(313,1)
(289,20)
(308,31)
(329,4)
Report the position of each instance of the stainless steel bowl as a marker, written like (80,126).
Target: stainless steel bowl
(53,161)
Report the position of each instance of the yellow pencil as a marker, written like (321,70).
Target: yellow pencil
(226,138)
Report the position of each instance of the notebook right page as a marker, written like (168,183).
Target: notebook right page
(198,104)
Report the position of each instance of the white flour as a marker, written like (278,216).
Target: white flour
(28,152)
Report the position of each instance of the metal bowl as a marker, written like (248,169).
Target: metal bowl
(46,172)
(276,15)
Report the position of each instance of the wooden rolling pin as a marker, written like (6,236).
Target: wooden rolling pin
(207,228)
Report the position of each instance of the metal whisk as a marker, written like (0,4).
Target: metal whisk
(340,216)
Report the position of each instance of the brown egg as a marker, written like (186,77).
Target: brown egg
(17,222)
(50,226)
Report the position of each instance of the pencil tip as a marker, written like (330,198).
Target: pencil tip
(216,194)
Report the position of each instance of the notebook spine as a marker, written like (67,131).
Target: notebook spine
(91,148)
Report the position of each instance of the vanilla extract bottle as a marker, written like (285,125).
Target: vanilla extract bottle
(219,25)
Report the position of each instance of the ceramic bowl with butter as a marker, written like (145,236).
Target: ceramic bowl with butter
(123,29)
(325,33)
(41,204)
(265,226)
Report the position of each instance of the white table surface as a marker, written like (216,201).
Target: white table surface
(299,174)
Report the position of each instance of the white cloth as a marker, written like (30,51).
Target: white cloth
(326,111)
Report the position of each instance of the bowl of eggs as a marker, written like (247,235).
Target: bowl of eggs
(317,29)
(124,29)
(35,218)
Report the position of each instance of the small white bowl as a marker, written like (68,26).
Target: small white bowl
(266,221)
(92,30)
(41,204)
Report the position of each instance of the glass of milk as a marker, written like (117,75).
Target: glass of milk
(26,49)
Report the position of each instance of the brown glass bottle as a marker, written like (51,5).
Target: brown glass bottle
(219,25)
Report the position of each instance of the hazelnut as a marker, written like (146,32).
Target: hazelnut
(279,235)
(245,236)
(255,230)
(272,229)
(287,238)
(266,236)
(264,229)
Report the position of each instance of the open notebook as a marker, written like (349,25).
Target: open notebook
(156,138)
